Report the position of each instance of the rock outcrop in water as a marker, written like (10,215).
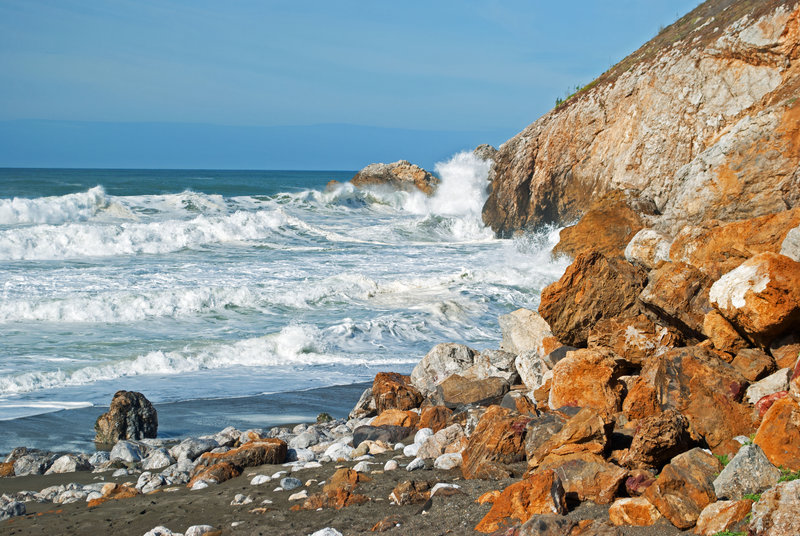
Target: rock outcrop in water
(400,175)
(130,416)
(702,120)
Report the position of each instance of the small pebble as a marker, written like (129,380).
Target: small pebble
(390,465)
(299,496)
(259,479)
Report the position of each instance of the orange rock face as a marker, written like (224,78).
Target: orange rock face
(779,433)
(396,417)
(657,440)
(763,405)
(722,334)
(251,454)
(636,511)
(607,227)
(699,385)
(587,476)
(678,293)
(685,487)
(634,339)
(721,516)
(720,247)
(394,391)
(498,439)
(761,297)
(218,472)
(593,287)
(435,417)
(411,492)
(587,379)
(586,432)
(6,469)
(338,493)
(753,364)
(541,493)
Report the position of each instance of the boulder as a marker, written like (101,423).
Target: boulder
(753,363)
(587,378)
(523,331)
(685,487)
(498,439)
(786,350)
(520,402)
(586,432)
(6,469)
(127,451)
(394,391)
(400,175)
(586,476)
(779,434)
(607,226)
(11,509)
(448,440)
(485,151)
(540,429)
(775,514)
(593,287)
(541,493)
(130,416)
(442,361)
(533,370)
(457,390)
(435,417)
(411,492)
(448,461)
(338,493)
(365,407)
(397,418)
(748,473)
(114,492)
(648,248)
(636,511)
(251,454)
(678,293)
(69,463)
(634,339)
(492,363)
(190,448)
(722,515)
(776,382)
(658,439)
(717,248)
(761,297)
(698,384)
(213,472)
(722,334)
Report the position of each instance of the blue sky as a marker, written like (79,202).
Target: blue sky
(468,70)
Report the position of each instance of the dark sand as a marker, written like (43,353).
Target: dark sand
(179,509)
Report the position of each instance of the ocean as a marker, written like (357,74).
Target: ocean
(195,286)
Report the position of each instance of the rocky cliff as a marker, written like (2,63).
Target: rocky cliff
(703,120)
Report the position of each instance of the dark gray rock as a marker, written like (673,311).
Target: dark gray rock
(11,509)
(130,416)
(289,483)
(540,429)
(386,433)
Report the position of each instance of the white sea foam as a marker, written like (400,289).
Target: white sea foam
(53,210)
(75,240)
(294,345)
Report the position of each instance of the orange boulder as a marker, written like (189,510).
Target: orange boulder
(498,439)
(634,339)
(394,391)
(397,417)
(761,297)
(685,487)
(593,287)
(722,515)
(435,417)
(779,433)
(587,378)
(541,493)
(678,293)
(636,511)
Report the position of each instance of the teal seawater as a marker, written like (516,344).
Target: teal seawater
(192,285)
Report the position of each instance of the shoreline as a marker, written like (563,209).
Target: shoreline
(72,430)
